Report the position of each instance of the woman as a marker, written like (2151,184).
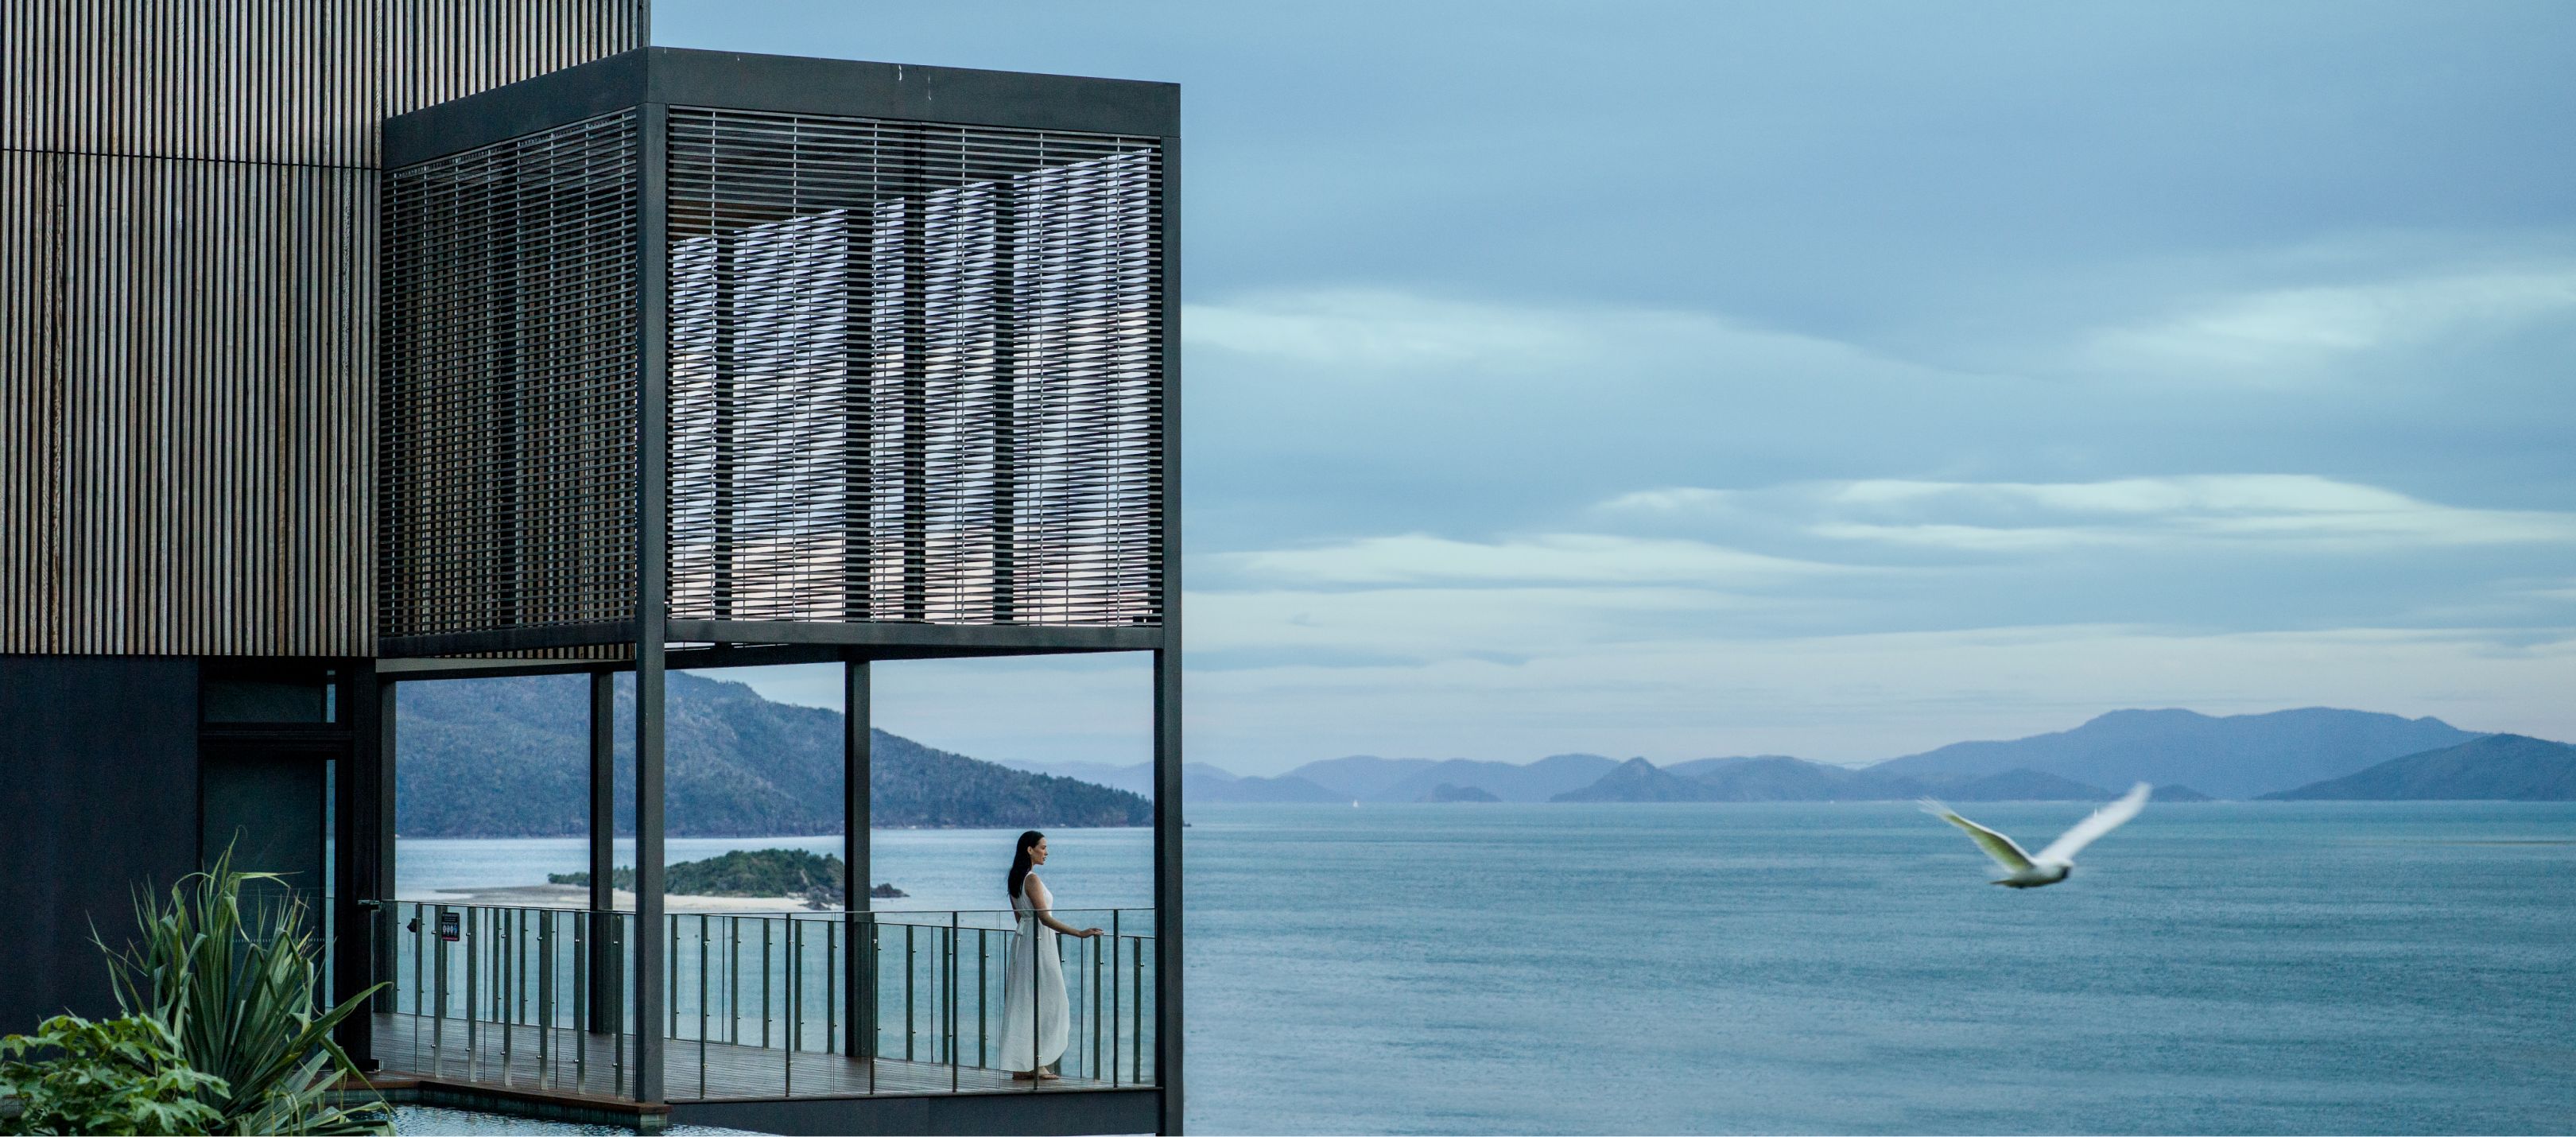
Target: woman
(1035,974)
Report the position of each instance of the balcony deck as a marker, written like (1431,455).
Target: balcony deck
(560,1062)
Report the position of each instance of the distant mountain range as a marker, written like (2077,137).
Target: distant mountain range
(487,758)
(2309,753)
(2236,756)
(1356,778)
(1791,779)
(2497,767)
(507,758)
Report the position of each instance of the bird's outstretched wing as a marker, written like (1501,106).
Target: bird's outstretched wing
(1996,845)
(2091,829)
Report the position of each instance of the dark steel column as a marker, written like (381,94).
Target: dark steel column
(388,879)
(607,955)
(359,888)
(1167,880)
(652,610)
(1167,673)
(858,986)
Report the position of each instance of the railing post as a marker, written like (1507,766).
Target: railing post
(438,983)
(545,995)
(794,1001)
(951,1001)
(983,983)
(702,1005)
(1037,1005)
(473,993)
(1114,941)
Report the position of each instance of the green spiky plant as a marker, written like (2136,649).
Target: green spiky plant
(238,995)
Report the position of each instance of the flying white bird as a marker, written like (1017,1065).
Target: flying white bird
(2053,862)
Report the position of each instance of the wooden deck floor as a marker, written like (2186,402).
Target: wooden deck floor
(580,1064)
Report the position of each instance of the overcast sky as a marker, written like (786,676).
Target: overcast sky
(1840,381)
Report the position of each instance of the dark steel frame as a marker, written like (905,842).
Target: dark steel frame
(651,80)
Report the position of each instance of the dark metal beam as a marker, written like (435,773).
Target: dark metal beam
(1028,638)
(783,83)
(508,639)
(720,656)
(399,651)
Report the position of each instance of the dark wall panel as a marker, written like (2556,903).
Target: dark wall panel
(266,804)
(98,780)
(188,253)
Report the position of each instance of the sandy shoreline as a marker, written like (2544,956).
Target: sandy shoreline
(578,896)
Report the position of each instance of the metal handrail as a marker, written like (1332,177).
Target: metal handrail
(510,998)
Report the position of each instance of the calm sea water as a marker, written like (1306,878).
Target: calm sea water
(2253,968)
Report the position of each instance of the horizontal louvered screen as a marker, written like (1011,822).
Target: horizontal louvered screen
(507,478)
(916,372)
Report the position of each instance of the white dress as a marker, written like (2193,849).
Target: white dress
(1034,945)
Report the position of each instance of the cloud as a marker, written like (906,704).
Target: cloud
(2008,517)
(1574,558)
(1364,627)
(1388,330)
(1380,329)
(2286,335)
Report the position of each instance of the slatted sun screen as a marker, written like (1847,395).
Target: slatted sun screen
(506,482)
(915,375)
(916,372)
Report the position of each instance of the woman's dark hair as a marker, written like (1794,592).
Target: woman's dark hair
(1020,859)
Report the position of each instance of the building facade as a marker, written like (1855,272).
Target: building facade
(353,343)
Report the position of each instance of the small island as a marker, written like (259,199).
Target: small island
(1447,792)
(818,881)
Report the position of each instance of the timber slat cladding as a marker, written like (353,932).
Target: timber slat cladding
(188,265)
(296,82)
(915,372)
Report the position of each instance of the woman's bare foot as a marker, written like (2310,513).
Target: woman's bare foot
(1049,1076)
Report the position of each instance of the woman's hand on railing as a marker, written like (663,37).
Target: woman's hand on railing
(1089,933)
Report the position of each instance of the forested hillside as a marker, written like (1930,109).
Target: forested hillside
(505,758)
